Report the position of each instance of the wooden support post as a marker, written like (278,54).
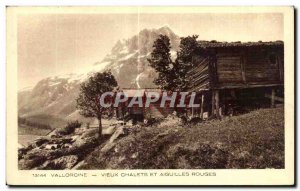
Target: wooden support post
(193,112)
(213,103)
(280,67)
(198,108)
(202,102)
(117,112)
(273,98)
(243,63)
(217,98)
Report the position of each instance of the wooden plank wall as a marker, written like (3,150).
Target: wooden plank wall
(229,69)
(199,75)
(281,66)
(248,67)
(259,69)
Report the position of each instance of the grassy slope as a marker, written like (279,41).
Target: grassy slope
(27,134)
(29,130)
(53,121)
(253,140)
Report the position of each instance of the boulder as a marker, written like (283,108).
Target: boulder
(67,146)
(64,162)
(109,130)
(33,158)
(107,147)
(40,141)
(90,133)
(58,152)
(74,138)
(21,153)
(51,146)
(120,131)
(82,146)
(78,165)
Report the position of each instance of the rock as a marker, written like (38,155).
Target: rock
(243,155)
(163,134)
(152,121)
(90,133)
(21,153)
(83,146)
(52,133)
(64,162)
(51,146)
(57,152)
(172,121)
(67,140)
(120,122)
(110,130)
(32,159)
(119,132)
(121,158)
(58,141)
(85,140)
(74,138)
(129,123)
(55,136)
(78,165)
(38,142)
(134,155)
(108,147)
(80,131)
(66,146)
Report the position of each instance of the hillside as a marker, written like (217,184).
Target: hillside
(253,140)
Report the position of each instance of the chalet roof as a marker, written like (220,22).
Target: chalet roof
(134,92)
(148,91)
(216,44)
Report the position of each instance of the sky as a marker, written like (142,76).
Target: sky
(55,44)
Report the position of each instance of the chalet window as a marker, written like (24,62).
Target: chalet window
(273,59)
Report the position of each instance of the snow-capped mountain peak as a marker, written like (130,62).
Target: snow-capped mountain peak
(127,60)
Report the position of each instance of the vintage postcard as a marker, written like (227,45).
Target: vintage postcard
(150,96)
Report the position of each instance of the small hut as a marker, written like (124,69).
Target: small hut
(138,113)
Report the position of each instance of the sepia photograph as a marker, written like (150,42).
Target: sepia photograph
(141,89)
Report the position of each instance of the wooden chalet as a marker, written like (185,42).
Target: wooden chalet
(224,74)
(137,113)
(226,77)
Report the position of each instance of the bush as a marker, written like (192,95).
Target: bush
(69,128)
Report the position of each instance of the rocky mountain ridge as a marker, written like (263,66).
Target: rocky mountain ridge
(56,96)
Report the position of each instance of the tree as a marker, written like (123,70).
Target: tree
(161,61)
(90,92)
(172,76)
(183,63)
